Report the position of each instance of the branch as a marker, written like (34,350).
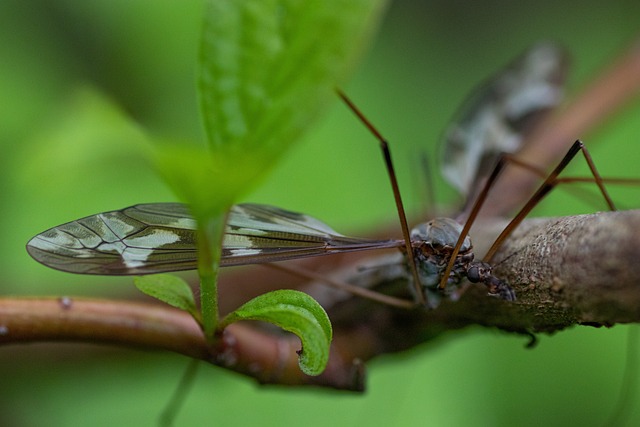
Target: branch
(566,271)
(269,358)
(583,268)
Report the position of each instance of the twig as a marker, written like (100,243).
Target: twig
(565,271)
(270,358)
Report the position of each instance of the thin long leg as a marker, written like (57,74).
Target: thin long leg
(384,146)
(347,287)
(514,160)
(629,386)
(550,182)
(596,175)
(543,190)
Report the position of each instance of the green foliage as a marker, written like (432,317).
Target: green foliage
(296,312)
(263,78)
(169,289)
(265,73)
(88,116)
(209,181)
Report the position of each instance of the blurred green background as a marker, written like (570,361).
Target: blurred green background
(60,162)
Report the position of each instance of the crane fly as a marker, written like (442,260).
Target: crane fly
(160,237)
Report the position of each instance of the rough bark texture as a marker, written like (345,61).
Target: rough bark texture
(582,269)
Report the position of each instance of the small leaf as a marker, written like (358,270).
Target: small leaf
(296,312)
(169,289)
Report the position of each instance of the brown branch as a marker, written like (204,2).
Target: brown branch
(583,267)
(265,356)
(88,320)
(566,271)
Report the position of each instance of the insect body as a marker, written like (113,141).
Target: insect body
(437,239)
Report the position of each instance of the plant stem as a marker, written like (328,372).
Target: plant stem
(210,233)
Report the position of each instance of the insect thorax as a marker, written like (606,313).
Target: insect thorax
(433,243)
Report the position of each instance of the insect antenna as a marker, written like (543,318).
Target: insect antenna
(386,153)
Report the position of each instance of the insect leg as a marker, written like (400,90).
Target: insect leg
(344,286)
(386,153)
(499,167)
(543,190)
(514,160)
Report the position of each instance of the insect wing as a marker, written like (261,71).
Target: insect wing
(498,115)
(140,239)
(161,237)
(261,233)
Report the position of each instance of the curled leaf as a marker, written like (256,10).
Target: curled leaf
(296,312)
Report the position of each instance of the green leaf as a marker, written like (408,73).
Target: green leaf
(268,66)
(169,289)
(296,312)
(263,77)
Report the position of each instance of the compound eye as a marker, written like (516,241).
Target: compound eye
(473,274)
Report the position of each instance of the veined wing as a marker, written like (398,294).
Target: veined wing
(161,237)
(500,113)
